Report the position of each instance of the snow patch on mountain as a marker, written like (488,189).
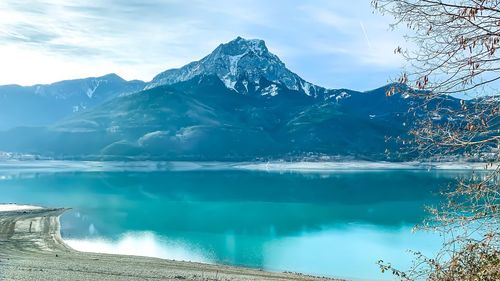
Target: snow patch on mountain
(270,90)
(245,84)
(233,63)
(343,95)
(306,86)
(39,90)
(256,46)
(91,90)
(229,83)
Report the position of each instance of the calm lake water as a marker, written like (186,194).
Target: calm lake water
(335,223)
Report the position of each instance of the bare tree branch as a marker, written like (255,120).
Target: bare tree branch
(456,53)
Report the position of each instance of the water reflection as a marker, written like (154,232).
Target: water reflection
(140,244)
(347,252)
(336,224)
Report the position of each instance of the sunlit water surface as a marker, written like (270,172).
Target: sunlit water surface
(337,223)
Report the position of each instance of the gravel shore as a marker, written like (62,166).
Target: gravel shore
(31,248)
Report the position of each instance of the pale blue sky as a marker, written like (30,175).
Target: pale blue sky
(333,43)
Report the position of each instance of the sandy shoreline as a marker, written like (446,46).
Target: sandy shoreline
(31,248)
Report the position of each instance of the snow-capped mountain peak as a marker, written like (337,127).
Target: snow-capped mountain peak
(241,46)
(239,62)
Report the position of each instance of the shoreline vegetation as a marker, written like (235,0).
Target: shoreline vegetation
(31,248)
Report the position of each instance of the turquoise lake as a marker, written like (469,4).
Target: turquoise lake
(337,223)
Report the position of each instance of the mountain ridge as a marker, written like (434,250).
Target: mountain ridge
(238,103)
(201,119)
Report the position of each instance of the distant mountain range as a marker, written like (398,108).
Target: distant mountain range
(42,105)
(238,103)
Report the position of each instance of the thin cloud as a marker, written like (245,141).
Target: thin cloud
(138,39)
